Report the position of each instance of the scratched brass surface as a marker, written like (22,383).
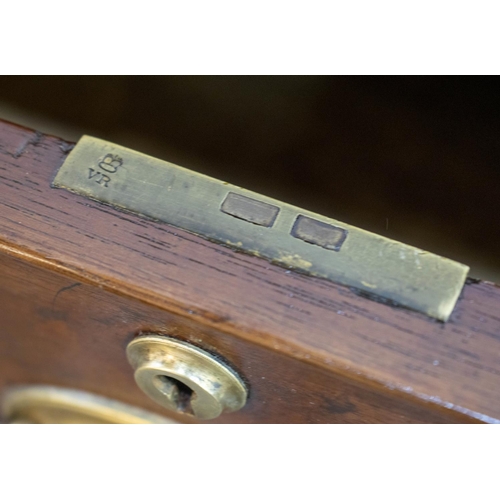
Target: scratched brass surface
(256,224)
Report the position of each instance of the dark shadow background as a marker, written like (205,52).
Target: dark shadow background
(412,158)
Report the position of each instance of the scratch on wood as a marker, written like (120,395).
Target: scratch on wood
(63,289)
(66,147)
(33,140)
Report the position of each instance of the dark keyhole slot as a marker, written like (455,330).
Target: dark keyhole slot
(181,397)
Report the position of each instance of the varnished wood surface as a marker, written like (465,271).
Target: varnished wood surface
(281,330)
(63,332)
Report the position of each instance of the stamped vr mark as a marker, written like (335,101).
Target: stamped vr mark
(102,179)
(110,164)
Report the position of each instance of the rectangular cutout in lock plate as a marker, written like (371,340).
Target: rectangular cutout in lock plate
(256,224)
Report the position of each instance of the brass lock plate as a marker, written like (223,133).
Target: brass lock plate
(281,233)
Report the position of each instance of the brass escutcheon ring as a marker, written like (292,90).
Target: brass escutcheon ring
(184,378)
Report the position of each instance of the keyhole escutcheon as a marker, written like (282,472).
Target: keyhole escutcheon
(185,378)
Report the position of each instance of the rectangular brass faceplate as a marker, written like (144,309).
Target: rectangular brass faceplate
(262,226)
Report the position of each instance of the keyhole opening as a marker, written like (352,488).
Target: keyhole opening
(176,391)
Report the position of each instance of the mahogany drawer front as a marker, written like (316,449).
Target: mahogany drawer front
(62,332)
(78,280)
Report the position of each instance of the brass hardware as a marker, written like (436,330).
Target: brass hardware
(256,224)
(56,405)
(183,378)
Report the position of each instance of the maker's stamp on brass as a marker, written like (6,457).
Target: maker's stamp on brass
(319,233)
(106,167)
(250,210)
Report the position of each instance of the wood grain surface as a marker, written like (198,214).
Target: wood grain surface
(79,279)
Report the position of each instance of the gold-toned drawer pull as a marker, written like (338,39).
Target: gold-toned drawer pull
(184,378)
(45,404)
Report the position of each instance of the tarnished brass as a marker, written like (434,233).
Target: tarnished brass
(42,404)
(261,226)
(184,378)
